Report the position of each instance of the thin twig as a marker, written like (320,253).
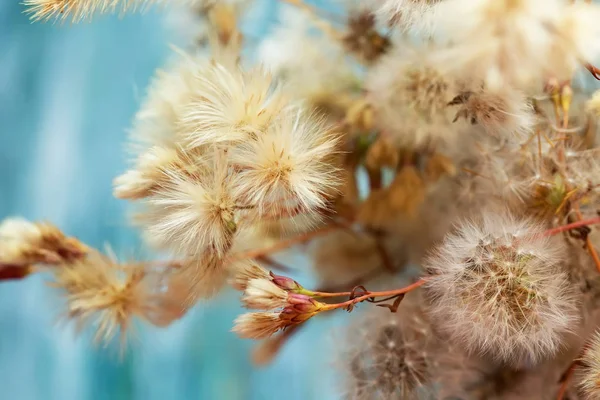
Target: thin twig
(573,225)
(588,242)
(369,295)
(568,374)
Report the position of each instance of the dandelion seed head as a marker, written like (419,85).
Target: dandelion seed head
(589,377)
(496,287)
(390,355)
(409,94)
(500,112)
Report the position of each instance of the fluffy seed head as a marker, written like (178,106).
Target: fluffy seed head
(263,294)
(390,355)
(191,214)
(503,111)
(148,175)
(497,289)
(78,10)
(200,277)
(589,378)
(102,292)
(242,272)
(25,243)
(288,165)
(408,15)
(228,104)
(409,92)
(516,42)
(593,104)
(258,325)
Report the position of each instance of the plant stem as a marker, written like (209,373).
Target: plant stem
(386,293)
(568,227)
(568,374)
(588,242)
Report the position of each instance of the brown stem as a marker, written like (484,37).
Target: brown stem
(568,374)
(13,271)
(593,70)
(588,243)
(568,227)
(368,295)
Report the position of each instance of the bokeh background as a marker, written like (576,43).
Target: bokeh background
(67,97)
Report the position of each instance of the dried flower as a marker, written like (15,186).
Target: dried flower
(500,112)
(390,356)
(593,104)
(344,256)
(408,15)
(362,37)
(14,271)
(192,214)
(409,92)
(312,65)
(497,289)
(406,192)
(149,174)
(382,153)
(78,10)
(516,42)
(109,295)
(258,325)
(294,310)
(229,105)
(201,277)
(263,294)
(242,272)
(26,243)
(589,377)
(289,165)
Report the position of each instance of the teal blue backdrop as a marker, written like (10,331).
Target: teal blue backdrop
(67,97)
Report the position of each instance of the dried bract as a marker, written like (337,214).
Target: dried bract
(26,243)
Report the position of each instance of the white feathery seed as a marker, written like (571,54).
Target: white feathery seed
(497,288)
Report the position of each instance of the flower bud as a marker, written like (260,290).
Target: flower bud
(286,283)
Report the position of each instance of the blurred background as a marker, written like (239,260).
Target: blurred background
(67,97)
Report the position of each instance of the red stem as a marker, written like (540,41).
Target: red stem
(385,293)
(568,227)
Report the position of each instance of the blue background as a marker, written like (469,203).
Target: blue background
(67,97)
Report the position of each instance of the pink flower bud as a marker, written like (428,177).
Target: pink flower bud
(285,283)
